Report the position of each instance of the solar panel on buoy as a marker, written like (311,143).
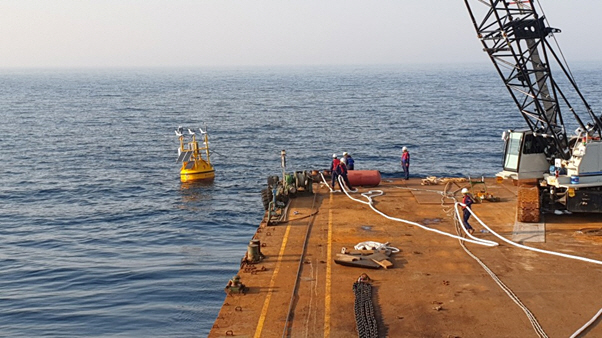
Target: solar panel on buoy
(184,156)
(190,165)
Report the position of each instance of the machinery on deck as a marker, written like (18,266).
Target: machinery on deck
(276,196)
(556,172)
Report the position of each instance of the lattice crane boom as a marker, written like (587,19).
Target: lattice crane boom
(515,37)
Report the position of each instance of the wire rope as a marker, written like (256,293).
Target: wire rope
(536,326)
(286,330)
(566,64)
(375,193)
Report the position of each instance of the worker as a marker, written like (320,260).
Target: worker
(467,201)
(405,162)
(342,171)
(333,168)
(348,160)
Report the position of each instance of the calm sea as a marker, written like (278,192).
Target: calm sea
(99,238)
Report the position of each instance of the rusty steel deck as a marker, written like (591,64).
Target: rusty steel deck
(435,288)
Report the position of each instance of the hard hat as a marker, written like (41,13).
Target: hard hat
(464,190)
(334,155)
(345,153)
(404,149)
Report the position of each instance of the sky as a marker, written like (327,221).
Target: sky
(208,33)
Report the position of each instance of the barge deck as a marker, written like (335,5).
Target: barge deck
(435,288)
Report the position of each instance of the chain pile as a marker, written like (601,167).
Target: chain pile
(364,311)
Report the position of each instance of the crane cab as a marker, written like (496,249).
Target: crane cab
(524,156)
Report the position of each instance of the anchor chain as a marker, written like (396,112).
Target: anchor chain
(364,311)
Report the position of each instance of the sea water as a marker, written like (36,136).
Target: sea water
(98,237)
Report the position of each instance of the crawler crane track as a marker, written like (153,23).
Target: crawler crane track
(527,208)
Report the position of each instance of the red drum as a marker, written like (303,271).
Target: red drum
(368,178)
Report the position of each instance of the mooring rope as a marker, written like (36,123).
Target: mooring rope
(375,193)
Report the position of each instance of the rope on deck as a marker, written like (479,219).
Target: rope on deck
(371,194)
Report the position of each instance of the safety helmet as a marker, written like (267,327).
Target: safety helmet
(345,153)
(464,190)
(334,155)
(404,149)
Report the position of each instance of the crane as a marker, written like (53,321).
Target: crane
(564,169)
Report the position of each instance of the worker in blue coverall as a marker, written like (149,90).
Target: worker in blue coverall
(467,202)
(405,162)
(348,161)
(333,168)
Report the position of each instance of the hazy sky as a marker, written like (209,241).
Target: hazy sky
(175,33)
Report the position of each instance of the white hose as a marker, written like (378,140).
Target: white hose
(584,259)
(584,327)
(374,193)
(536,326)
(579,258)
(324,180)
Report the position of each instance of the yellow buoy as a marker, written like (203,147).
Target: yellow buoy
(195,167)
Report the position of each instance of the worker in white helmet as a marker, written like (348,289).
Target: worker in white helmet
(405,162)
(333,168)
(341,171)
(467,202)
